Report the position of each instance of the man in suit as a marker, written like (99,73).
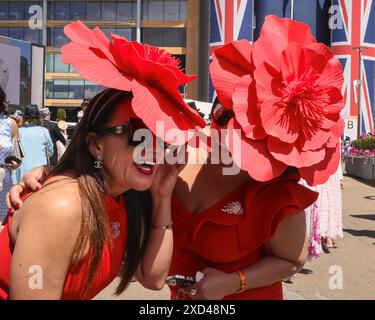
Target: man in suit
(54,131)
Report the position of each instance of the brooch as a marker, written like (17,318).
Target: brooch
(233,208)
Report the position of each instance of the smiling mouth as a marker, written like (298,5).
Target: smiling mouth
(146,168)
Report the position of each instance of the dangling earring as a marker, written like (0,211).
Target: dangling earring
(98,164)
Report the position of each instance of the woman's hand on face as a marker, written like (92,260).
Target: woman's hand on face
(215,285)
(30,181)
(166,176)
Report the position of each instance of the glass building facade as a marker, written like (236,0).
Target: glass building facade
(162,23)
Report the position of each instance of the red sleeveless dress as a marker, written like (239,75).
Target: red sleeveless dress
(233,233)
(75,280)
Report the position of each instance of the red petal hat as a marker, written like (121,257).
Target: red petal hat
(149,73)
(285,92)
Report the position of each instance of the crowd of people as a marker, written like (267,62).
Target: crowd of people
(107,207)
(40,140)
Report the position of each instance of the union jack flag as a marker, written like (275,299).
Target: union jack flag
(354,28)
(229,20)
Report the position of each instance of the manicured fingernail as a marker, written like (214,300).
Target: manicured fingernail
(37,188)
(11,210)
(18,205)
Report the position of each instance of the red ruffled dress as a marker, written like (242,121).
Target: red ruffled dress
(110,264)
(233,233)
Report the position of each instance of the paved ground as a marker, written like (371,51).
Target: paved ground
(348,272)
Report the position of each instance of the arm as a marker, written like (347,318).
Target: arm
(60,137)
(47,231)
(154,266)
(15,133)
(50,147)
(288,254)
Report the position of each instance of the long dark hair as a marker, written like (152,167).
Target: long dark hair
(95,226)
(3,99)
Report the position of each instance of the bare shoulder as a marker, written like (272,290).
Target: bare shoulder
(56,207)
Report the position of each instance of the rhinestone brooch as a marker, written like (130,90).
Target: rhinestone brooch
(233,208)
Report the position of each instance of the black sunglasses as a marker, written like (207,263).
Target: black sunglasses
(130,129)
(219,114)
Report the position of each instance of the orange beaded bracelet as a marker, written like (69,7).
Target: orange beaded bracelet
(243,281)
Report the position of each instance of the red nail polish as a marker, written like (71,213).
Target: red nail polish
(18,206)
(11,210)
(37,188)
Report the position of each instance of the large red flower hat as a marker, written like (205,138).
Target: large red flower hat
(285,91)
(151,74)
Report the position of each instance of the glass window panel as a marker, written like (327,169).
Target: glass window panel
(109,10)
(77,10)
(174,37)
(4,32)
(59,66)
(61,89)
(4,9)
(49,89)
(49,62)
(171,10)
(32,35)
(16,33)
(144,9)
(91,89)
(125,10)
(183,9)
(128,33)
(51,9)
(58,37)
(76,89)
(153,36)
(16,10)
(155,10)
(93,9)
(62,10)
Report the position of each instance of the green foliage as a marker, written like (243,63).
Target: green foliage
(61,115)
(364,144)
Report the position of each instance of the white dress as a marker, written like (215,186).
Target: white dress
(330,206)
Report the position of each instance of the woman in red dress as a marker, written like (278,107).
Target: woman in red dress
(280,101)
(93,218)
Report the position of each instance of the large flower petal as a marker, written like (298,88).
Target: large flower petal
(246,110)
(293,63)
(230,63)
(171,110)
(95,39)
(252,155)
(274,37)
(320,172)
(314,138)
(292,156)
(268,82)
(93,68)
(279,121)
(156,55)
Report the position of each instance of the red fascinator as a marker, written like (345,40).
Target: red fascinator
(286,96)
(151,74)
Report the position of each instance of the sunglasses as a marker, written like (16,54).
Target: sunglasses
(219,114)
(134,138)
